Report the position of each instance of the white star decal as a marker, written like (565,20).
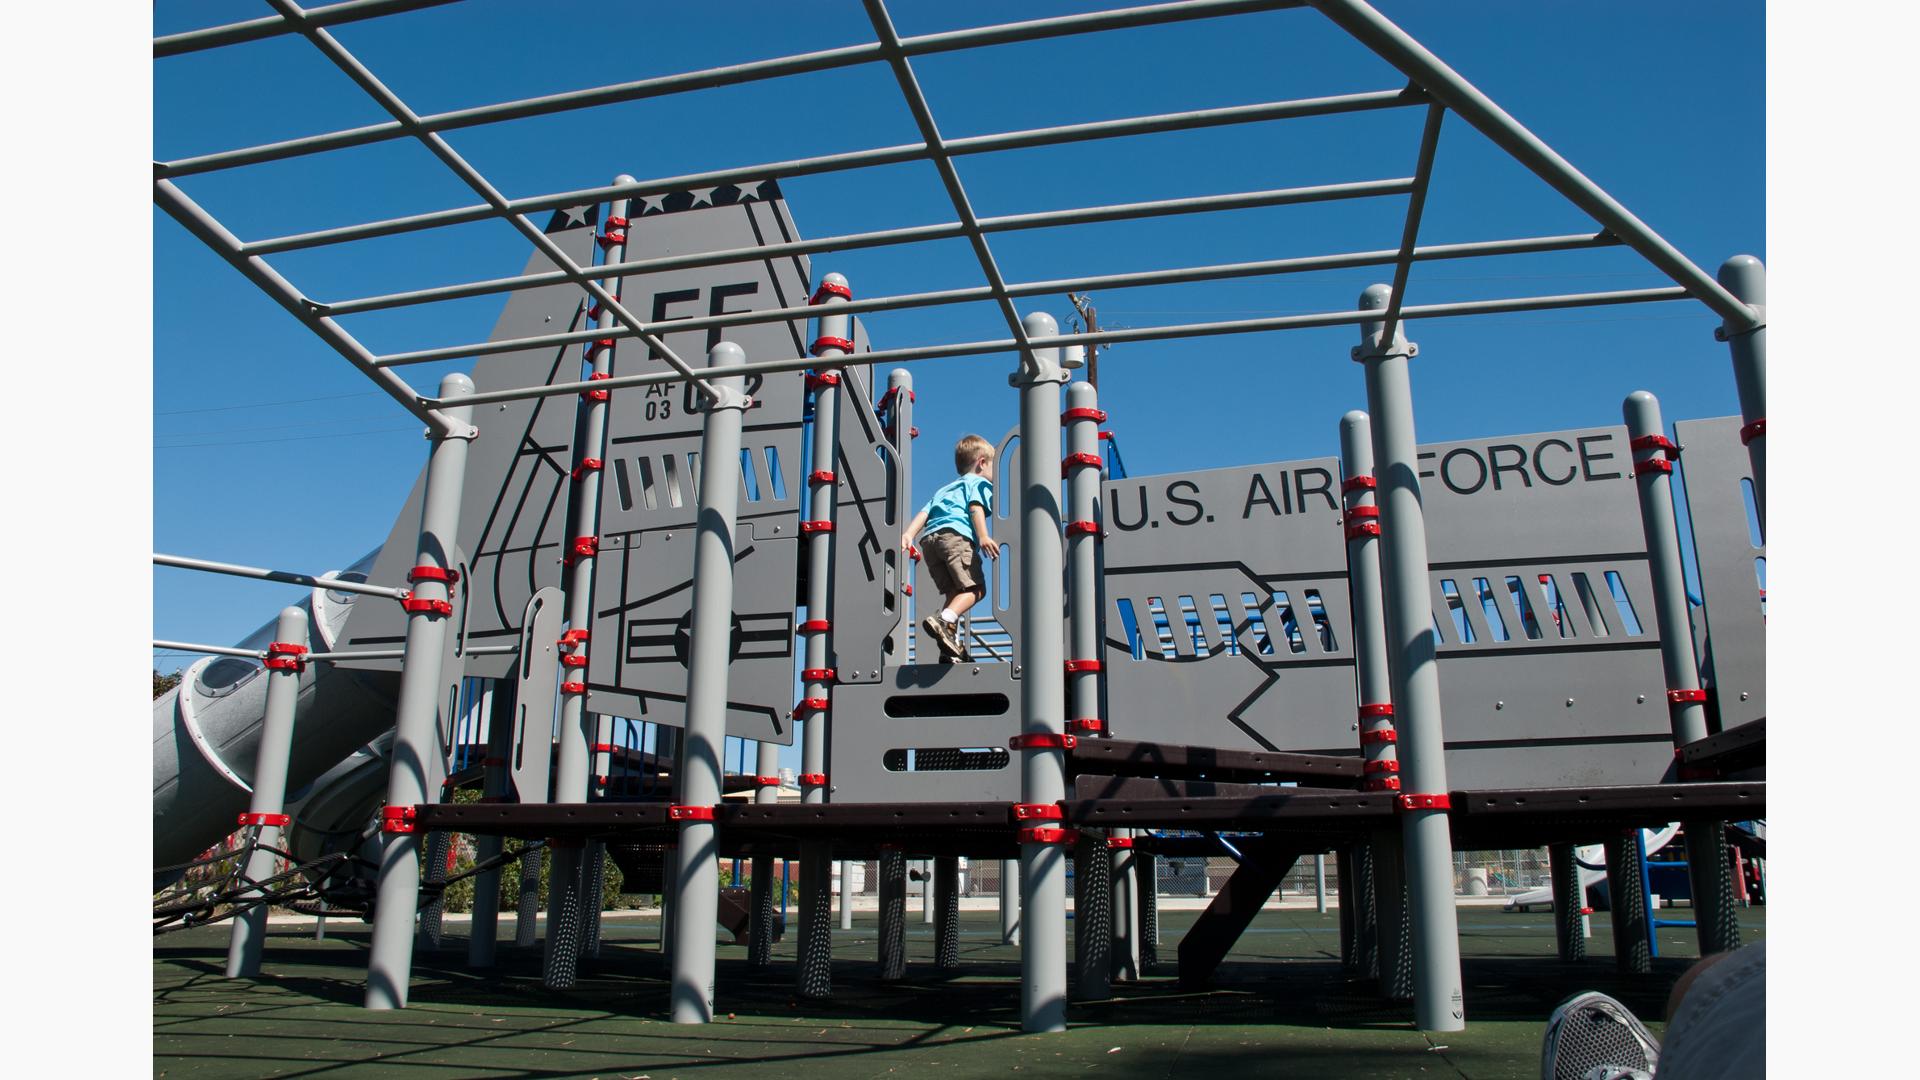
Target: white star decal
(702,196)
(575,215)
(750,191)
(652,203)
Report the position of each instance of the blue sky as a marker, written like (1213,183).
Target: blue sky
(1662,104)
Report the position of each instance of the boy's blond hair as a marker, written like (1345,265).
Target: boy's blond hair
(969,449)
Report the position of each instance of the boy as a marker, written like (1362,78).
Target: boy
(956,523)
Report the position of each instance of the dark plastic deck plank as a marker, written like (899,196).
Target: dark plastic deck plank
(1123,757)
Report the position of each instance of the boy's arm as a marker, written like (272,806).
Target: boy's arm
(913,528)
(987,543)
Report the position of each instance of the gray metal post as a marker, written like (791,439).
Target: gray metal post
(1374,682)
(496,781)
(566,884)
(416,741)
(1009,901)
(667,746)
(761,903)
(1746,278)
(1715,919)
(708,652)
(1320,883)
(1042,740)
(433,915)
(1126,907)
(1343,896)
(1438,1001)
(1148,873)
(927,900)
(846,895)
(1569,902)
(1366,913)
(813,942)
(944,893)
(1627,896)
(1092,918)
(266,809)
(526,915)
(893,915)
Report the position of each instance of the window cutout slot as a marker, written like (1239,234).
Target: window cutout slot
(1324,625)
(622,484)
(902,706)
(1590,604)
(647,489)
(1130,624)
(1462,629)
(1223,621)
(946,759)
(1760,577)
(670,478)
(747,477)
(1489,607)
(1257,624)
(1529,624)
(1624,603)
(1289,623)
(1190,625)
(1161,628)
(775,478)
(1753,514)
(1557,604)
(693,477)
(1001,577)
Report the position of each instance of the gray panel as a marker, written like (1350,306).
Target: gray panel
(538,670)
(869,494)
(1715,468)
(866,740)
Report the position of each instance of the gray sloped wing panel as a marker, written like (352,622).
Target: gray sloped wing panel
(1716,470)
(869,491)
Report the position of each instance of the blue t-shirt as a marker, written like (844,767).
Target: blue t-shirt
(949,507)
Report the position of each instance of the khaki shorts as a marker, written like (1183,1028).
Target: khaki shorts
(953,561)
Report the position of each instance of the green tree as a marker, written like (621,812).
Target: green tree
(164,683)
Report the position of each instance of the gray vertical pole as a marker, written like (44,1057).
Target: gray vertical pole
(320,921)
(1746,278)
(433,915)
(496,781)
(1373,676)
(926,892)
(526,915)
(761,904)
(900,412)
(416,740)
(565,885)
(1082,422)
(945,893)
(893,914)
(1715,919)
(1627,896)
(667,750)
(813,944)
(846,894)
(1438,1002)
(1569,901)
(1149,877)
(1009,901)
(1092,918)
(1320,883)
(708,649)
(1043,739)
(1366,913)
(266,810)
(1126,907)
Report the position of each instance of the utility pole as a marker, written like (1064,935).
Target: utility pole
(1091,318)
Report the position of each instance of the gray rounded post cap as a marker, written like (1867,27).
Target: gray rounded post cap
(625,178)
(1745,277)
(1374,297)
(1354,418)
(726,354)
(899,377)
(1081,395)
(1039,324)
(835,278)
(455,384)
(292,616)
(1642,411)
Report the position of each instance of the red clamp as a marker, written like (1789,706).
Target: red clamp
(817,674)
(1363,512)
(1358,483)
(1686,697)
(578,659)
(583,547)
(766,781)
(1076,666)
(1656,442)
(825,342)
(906,589)
(593,349)
(604,748)
(398,819)
(573,639)
(1091,725)
(816,626)
(1098,416)
(813,779)
(1079,459)
(1107,435)
(1083,528)
(597,395)
(913,553)
(1041,741)
(812,704)
(616,232)
(449,578)
(886,399)
(829,288)
(1376,712)
(1381,783)
(1120,843)
(1424,802)
(1755,430)
(414,605)
(573,688)
(587,465)
(1363,529)
(822,476)
(1041,835)
(1652,465)
(1379,735)
(1386,765)
(1044,811)
(818,379)
(285,656)
(689,813)
(265,819)
(810,527)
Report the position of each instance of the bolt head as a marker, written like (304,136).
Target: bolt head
(1499,705)
(1743,695)
(1639,699)
(1569,703)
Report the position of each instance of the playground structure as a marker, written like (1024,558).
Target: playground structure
(593,584)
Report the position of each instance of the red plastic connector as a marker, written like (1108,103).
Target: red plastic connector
(689,813)
(264,819)
(1079,459)
(1358,483)
(810,527)
(824,342)
(1083,528)
(1098,416)
(822,476)
(1376,711)
(594,349)
(285,656)
(604,748)
(398,819)
(1755,430)
(810,705)
(1380,735)
(1088,725)
(1383,765)
(817,674)
(1381,783)
(587,465)
(414,605)
(828,288)
(1652,465)
(816,626)
(813,779)
(1046,811)
(1424,802)
(766,781)
(1120,843)
(1077,666)
(1042,835)
(818,379)
(1041,741)
(573,688)
(583,547)
(450,578)
(1686,697)
(1363,530)
(1656,442)
(573,639)
(578,659)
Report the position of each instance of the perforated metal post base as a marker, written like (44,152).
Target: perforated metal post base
(1092,919)
(760,912)
(593,898)
(1715,917)
(1148,867)
(813,953)
(560,966)
(893,916)
(1366,915)
(1569,899)
(433,915)
(1343,871)
(1627,895)
(946,881)
(526,916)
